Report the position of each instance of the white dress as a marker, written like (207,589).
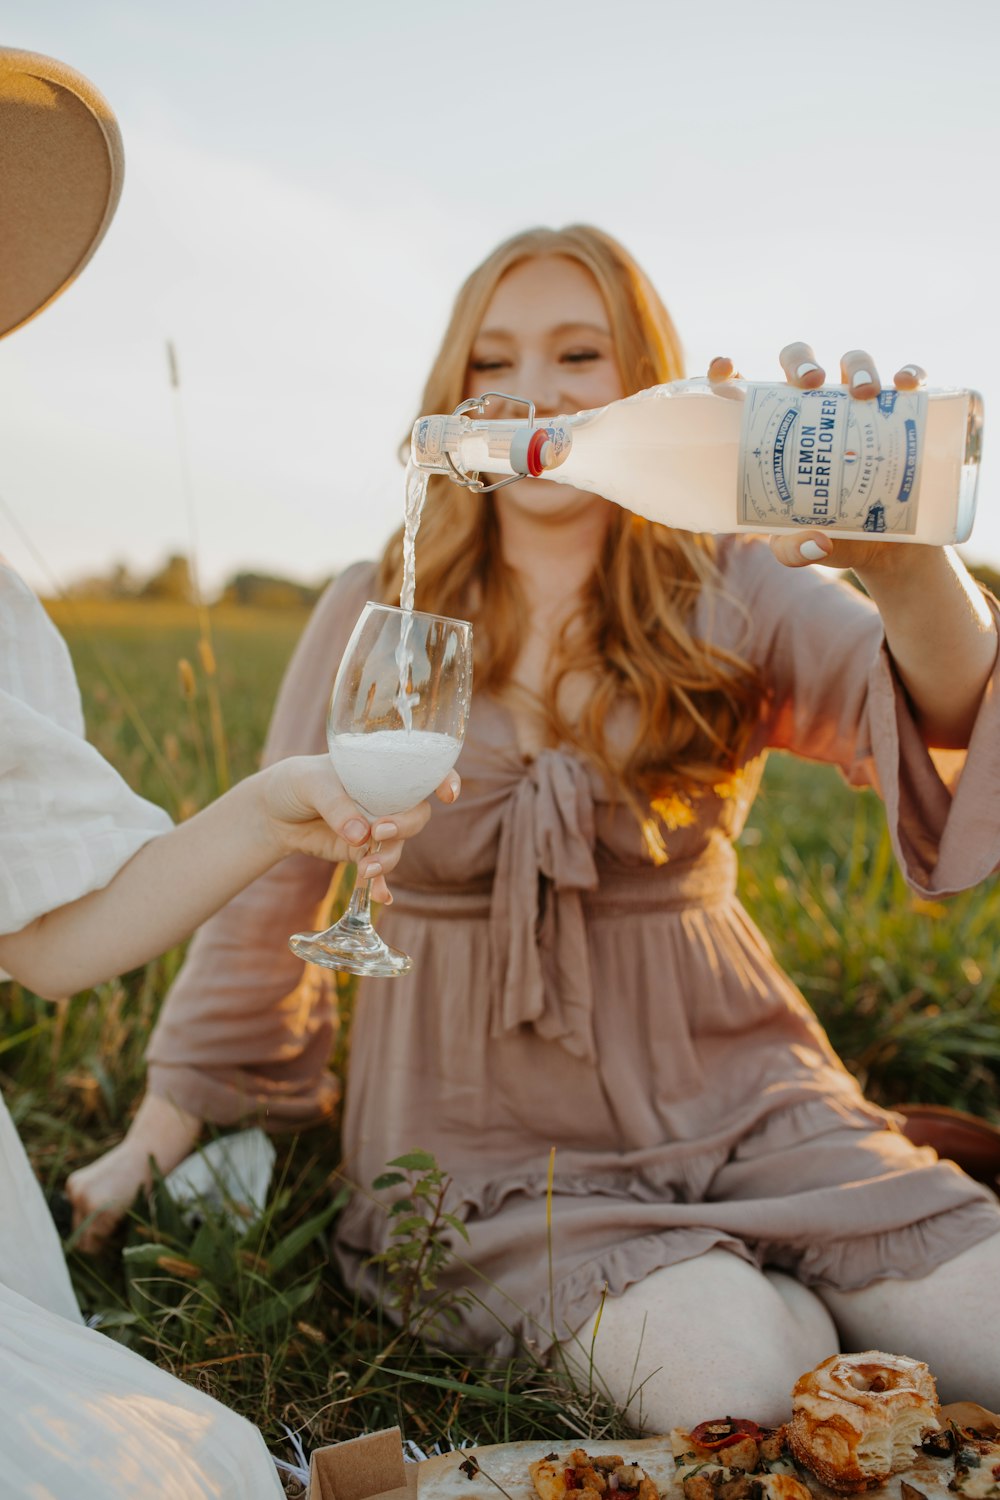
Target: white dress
(81,1418)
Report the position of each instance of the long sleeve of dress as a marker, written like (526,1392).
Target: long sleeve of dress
(246,1029)
(68,822)
(833,695)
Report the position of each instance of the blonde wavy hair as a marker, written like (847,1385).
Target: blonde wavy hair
(694,703)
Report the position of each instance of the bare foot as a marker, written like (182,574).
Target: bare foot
(105,1189)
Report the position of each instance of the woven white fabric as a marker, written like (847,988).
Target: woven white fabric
(68,822)
(31,1258)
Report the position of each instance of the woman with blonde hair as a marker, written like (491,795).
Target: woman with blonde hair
(585,981)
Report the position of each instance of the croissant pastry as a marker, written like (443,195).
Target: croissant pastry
(857,1418)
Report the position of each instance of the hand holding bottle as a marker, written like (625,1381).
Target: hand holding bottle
(944,669)
(859,374)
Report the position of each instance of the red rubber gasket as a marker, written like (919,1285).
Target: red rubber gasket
(536,442)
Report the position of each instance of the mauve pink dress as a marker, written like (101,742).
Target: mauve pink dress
(568,993)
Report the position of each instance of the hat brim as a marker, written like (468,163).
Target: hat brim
(61,171)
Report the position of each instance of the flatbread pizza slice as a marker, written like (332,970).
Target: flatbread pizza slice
(732,1458)
(510,1470)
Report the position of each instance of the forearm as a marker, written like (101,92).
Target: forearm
(941,634)
(155,900)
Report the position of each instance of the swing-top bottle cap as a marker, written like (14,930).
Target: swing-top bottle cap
(532,452)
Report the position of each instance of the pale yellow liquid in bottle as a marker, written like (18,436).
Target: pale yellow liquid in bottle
(672,455)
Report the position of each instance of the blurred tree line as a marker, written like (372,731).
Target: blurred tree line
(173,582)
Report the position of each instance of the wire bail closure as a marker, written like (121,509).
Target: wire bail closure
(472,481)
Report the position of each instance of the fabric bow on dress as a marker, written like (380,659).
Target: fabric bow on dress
(539,958)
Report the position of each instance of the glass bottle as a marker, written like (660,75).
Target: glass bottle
(743,456)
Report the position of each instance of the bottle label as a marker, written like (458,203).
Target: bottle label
(821,458)
(432,439)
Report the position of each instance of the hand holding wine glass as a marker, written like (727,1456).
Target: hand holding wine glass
(395,728)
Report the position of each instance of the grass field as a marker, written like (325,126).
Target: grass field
(909,991)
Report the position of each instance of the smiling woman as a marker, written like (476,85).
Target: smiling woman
(584,977)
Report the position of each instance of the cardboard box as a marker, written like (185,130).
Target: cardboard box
(364,1468)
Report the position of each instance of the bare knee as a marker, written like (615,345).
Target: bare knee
(708,1337)
(947,1318)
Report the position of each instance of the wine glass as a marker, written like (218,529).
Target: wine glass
(395,728)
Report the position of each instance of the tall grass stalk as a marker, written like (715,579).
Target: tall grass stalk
(548,1242)
(206,647)
(189,693)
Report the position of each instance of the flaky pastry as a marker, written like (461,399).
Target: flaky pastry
(857,1418)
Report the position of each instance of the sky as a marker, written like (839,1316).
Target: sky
(308,183)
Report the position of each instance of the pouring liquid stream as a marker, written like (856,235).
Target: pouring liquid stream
(415,495)
(382,769)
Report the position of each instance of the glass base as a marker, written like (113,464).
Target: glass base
(352,948)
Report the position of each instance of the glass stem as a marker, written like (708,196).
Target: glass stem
(359,912)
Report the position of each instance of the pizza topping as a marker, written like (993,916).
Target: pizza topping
(698,1487)
(770,1445)
(940,1444)
(628,1477)
(591,1477)
(723,1432)
(720,1484)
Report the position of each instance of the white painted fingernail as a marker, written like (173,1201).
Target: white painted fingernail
(912,370)
(383,831)
(804,369)
(812,551)
(372,870)
(861,377)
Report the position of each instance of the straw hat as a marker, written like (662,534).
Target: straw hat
(61,166)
